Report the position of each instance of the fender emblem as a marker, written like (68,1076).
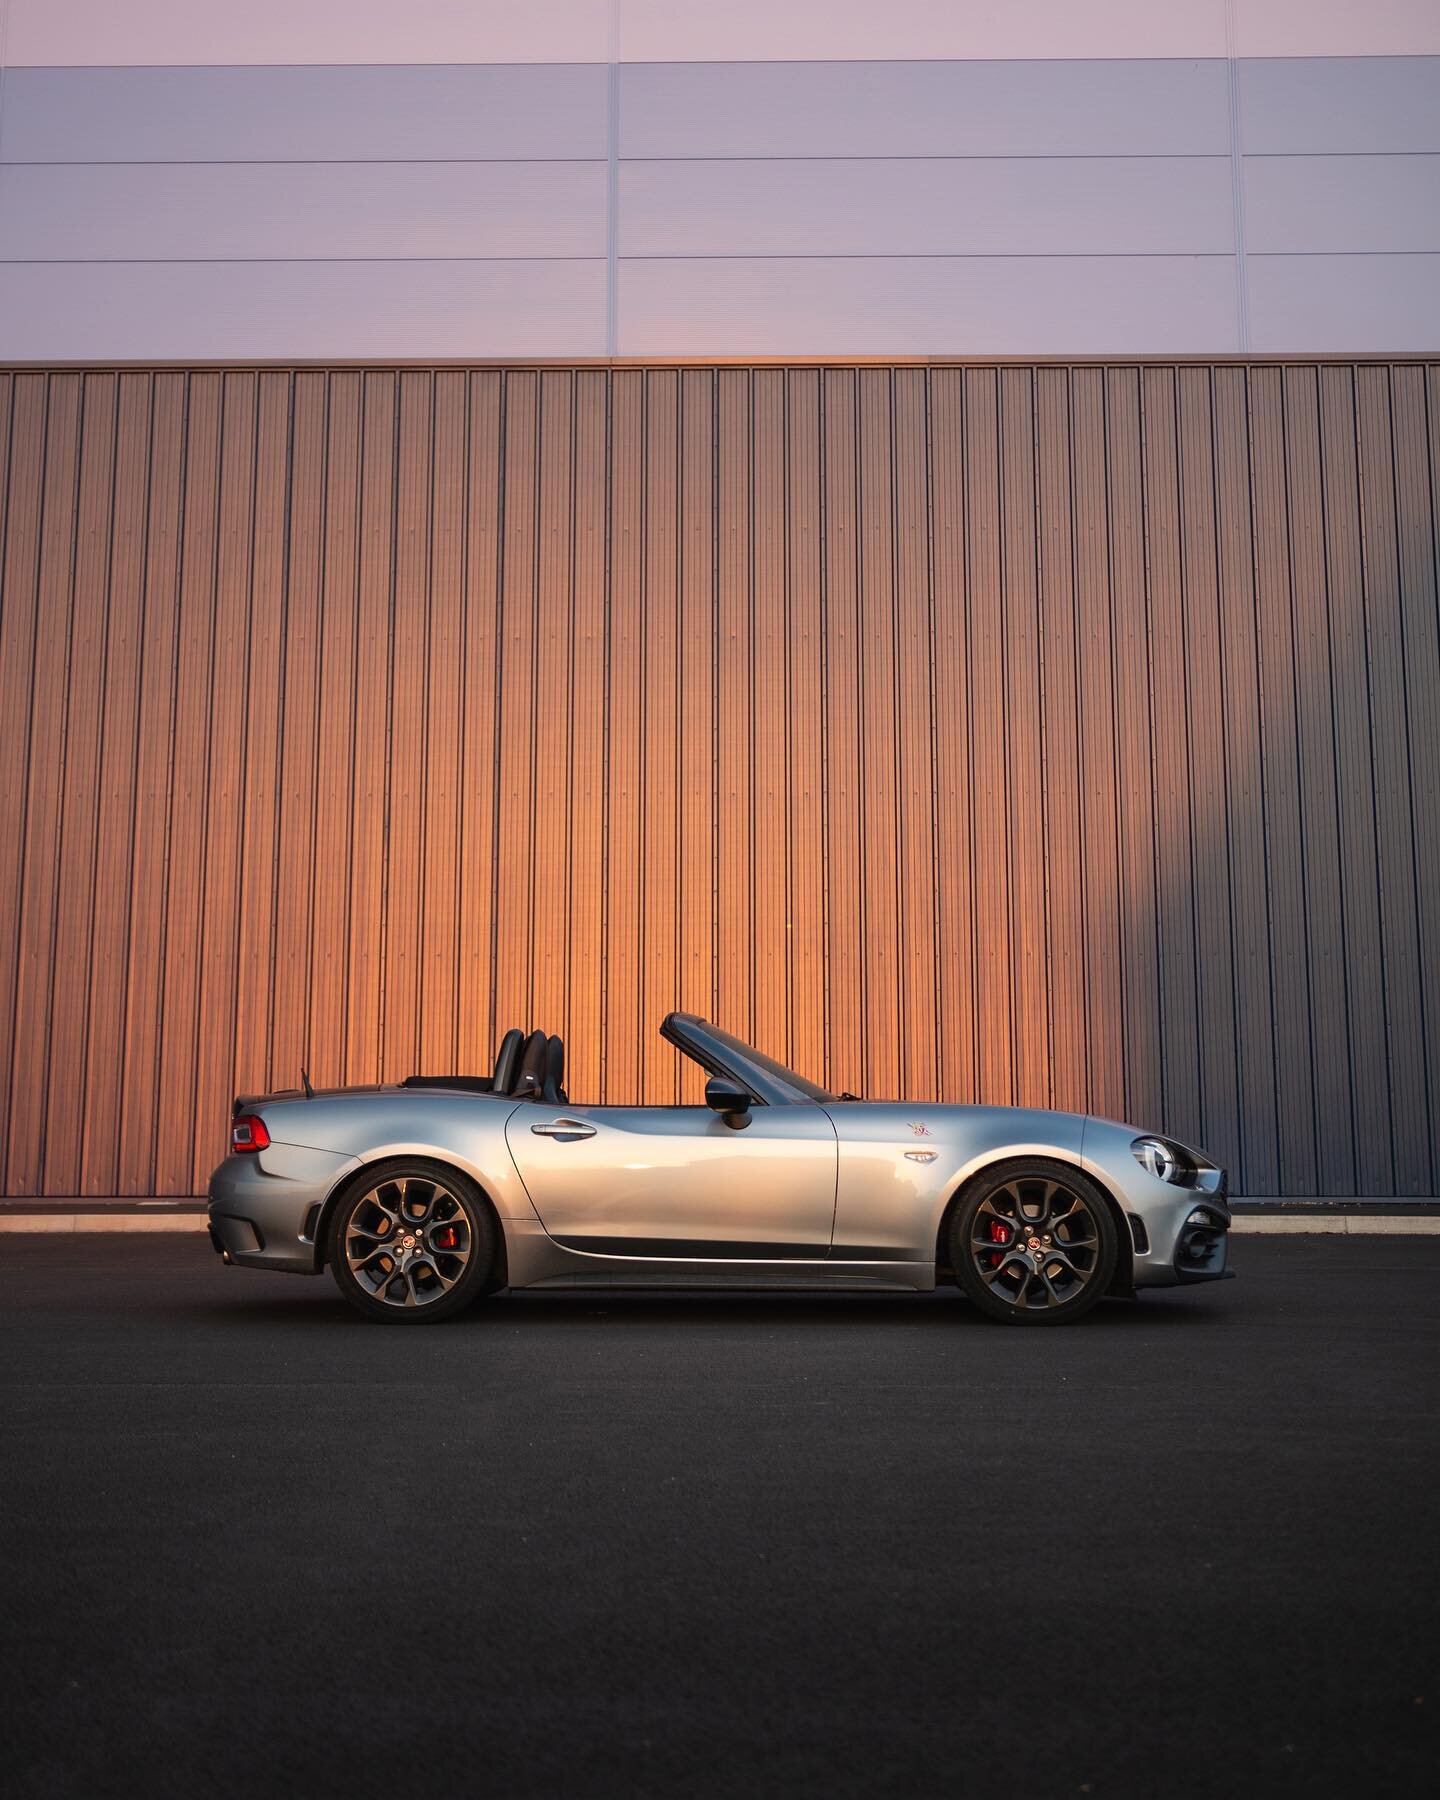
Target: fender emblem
(921,1130)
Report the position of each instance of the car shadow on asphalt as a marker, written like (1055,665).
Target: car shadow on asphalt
(943,1310)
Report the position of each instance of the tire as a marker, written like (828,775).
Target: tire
(1059,1255)
(449,1236)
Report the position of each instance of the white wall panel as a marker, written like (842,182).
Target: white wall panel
(295,114)
(59,32)
(966,204)
(1342,203)
(1359,104)
(952,306)
(312,311)
(1337,28)
(664,30)
(1313,304)
(132,212)
(919,207)
(925,109)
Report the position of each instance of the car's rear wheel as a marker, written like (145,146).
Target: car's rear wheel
(1033,1243)
(412,1243)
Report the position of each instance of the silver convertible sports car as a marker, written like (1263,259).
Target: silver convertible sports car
(424,1196)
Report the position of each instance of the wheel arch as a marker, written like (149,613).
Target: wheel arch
(368,1171)
(1121,1282)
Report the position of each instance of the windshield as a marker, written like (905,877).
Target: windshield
(744,1053)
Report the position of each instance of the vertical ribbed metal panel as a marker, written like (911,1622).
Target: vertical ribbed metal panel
(1066,736)
(1288,996)
(1060,715)
(659,798)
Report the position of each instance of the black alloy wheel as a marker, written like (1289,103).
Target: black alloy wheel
(1033,1243)
(411,1243)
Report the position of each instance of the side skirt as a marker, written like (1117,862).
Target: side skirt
(792,1278)
(535,1260)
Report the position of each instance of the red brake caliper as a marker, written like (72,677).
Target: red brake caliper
(999,1234)
(446,1238)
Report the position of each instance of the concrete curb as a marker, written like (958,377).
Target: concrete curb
(1262,1225)
(1339,1225)
(99,1221)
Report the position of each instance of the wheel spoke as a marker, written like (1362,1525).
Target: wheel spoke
(1010,1195)
(371,1268)
(1010,1261)
(368,1231)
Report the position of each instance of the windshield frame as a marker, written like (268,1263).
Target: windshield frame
(722,1053)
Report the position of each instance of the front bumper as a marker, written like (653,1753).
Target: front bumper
(265,1206)
(1200,1249)
(1186,1232)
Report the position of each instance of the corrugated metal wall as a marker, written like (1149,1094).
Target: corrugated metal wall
(1054,735)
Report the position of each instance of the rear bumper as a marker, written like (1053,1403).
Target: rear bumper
(264,1207)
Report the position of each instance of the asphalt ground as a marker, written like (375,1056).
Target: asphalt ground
(761,1545)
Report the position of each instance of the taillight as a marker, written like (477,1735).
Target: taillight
(249,1133)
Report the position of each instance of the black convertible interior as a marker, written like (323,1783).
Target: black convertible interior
(526,1068)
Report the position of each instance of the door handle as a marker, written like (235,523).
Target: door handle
(566,1130)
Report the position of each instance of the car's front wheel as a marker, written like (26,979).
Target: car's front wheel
(1033,1243)
(411,1243)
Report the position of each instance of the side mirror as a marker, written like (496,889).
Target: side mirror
(730,1100)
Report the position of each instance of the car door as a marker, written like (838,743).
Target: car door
(678,1182)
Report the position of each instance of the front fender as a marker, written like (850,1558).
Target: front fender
(900,1167)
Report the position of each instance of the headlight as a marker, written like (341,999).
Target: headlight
(1162,1160)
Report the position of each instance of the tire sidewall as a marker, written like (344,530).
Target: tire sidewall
(478,1276)
(969,1279)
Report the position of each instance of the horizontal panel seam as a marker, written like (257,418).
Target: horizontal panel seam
(183,262)
(753,156)
(601,63)
(130,262)
(294,162)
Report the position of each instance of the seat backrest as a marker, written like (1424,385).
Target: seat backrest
(553,1092)
(507,1061)
(533,1060)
